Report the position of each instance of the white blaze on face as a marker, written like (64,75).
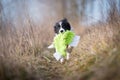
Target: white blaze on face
(61,29)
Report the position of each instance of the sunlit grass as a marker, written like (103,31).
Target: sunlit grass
(26,56)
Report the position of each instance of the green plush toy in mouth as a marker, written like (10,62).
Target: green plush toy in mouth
(62,40)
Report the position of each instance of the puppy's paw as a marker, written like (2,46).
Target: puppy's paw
(51,46)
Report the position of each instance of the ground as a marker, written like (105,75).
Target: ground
(95,58)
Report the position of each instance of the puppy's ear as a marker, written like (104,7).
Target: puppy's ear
(65,20)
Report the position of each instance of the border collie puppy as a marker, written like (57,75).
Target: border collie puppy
(60,27)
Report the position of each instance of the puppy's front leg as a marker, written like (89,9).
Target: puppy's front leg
(69,49)
(68,56)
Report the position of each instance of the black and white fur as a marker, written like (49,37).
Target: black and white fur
(61,27)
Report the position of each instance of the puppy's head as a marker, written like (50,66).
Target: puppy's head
(62,26)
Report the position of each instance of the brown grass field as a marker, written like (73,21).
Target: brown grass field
(24,54)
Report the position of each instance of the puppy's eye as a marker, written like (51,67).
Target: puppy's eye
(59,26)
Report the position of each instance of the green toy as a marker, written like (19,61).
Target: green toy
(62,40)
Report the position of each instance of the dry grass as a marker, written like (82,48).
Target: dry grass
(24,54)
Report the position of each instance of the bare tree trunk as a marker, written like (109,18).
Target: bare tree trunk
(1,15)
(70,10)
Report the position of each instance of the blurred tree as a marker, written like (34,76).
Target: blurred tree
(113,14)
(70,10)
(15,11)
(1,7)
